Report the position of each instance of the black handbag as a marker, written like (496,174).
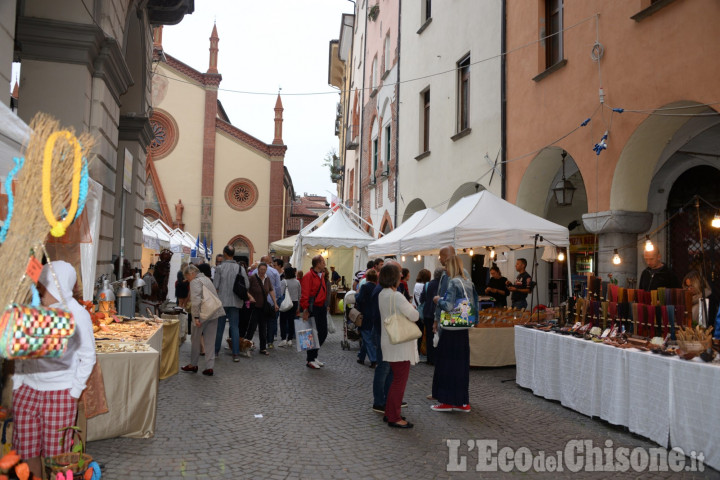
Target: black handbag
(239,287)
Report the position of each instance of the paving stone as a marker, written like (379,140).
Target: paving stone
(319,424)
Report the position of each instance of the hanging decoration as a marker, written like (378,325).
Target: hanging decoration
(19,162)
(59,226)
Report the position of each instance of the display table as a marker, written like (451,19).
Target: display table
(170,357)
(131,385)
(654,396)
(130,380)
(492,347)
(334,298)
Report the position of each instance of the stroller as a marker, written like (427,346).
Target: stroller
(350,330)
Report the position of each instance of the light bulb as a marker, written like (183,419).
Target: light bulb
(649,247)
(561,256)
(472,252)
(716,221)
(402,258)
(616,258)
(492,253)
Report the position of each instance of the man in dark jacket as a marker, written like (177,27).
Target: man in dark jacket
(657,274)
(363,302)
(428,313)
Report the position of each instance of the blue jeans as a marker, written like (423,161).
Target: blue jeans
(233,315)
(383,375)
(368,346)
(520,304)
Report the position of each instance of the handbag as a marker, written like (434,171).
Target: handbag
(399,328)
(267,309)
(210,303)
(355,316)
(287,302)
(462,315)
(239,287)
(35,331)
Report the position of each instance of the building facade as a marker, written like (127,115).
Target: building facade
(206,175)
(450,108)
(89,65)
(622,94)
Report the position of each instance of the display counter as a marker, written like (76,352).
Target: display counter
(671,401)
(132,356)
(131,384)
(492,347)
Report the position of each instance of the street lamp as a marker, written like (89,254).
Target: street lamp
(564,189)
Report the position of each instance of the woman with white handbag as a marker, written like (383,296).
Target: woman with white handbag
(206,309)
(398,341)
(289,308)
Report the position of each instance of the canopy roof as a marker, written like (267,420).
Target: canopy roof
(484,220)
(337,231)
(390,244)
(284,246)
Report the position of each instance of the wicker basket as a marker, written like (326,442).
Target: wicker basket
(694,346)
(66,461)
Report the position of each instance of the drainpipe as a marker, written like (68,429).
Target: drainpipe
(362,118)
(503,101)
(397,118)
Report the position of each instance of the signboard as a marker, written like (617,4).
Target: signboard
(582,243)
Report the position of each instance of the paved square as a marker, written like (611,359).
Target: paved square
(318,424)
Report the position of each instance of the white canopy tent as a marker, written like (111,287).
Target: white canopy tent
(345,243)
(485,220)
(390,244)
(284,246)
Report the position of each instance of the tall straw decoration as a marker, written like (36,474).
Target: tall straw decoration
(30,227)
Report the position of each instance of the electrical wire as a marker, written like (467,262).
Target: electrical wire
(370,88)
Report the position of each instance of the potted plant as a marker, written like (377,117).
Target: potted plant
(75,461)
(374,12)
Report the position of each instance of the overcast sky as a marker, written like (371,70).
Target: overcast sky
(265,45)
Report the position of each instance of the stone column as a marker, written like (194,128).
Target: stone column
(617,229)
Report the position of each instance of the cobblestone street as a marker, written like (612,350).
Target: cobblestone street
(319,424)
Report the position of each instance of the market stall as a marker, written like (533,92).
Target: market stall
(284,246)
(391,244)
(130,358)
(667,399)
(481,222)
(339,239)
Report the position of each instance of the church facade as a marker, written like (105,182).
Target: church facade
(205,175)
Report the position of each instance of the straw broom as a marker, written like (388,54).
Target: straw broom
(29,227)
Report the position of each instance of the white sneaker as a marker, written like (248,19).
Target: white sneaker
(282,343)
(289,343)
(319,362)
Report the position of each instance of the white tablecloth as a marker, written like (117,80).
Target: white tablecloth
(668,400)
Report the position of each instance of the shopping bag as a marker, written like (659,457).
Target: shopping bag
(306,335)
(331,325)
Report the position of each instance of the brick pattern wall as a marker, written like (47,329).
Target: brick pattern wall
(277,191)
(383,183)
(208,164)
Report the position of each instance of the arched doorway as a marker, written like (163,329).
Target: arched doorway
(414,206)
(464,190)
(685,251)
(243,248)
